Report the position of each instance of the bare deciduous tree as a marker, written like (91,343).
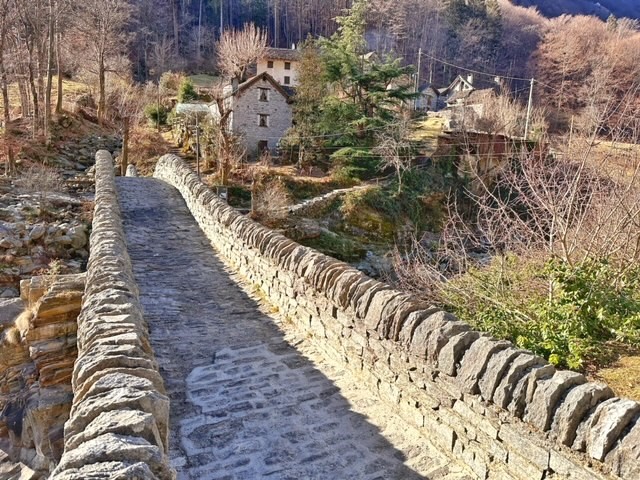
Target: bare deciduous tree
(394,147)
(237,49)
(101,24)
(126,102)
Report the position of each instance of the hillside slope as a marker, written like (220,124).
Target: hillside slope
(601,8)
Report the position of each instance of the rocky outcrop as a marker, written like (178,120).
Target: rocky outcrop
(118,427)
(30,237)
(78,155)
(505,412)
(37,352)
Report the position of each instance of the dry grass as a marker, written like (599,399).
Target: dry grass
(12,336)
(624,376)
(426,131)
(86,211)
(23,322)
(70,90)
(203,81)
(147,146)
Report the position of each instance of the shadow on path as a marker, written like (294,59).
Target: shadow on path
(245,404)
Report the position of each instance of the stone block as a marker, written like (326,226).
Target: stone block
(523,468)
(380,300)
(516,440)
(569,469)
(451,354)
(547,395)
(432,333)
(411,323)
(117,448)
(439,433)
(518,368)
(573,409)
(474,362)
(607,424)
(123,422)
(524,389)
(624,459)
(496,369)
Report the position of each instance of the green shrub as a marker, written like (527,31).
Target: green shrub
(187,91)
(352,164)
(156,114)
(563,312)
(414,202)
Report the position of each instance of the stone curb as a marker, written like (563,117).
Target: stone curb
(119,423)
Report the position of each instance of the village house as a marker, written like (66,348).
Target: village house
(428,99)
(281,64)
(460,85)
(261,112)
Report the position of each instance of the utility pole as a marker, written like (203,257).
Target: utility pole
(415,101)
(529,107)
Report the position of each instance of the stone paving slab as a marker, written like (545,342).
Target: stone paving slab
(250,398)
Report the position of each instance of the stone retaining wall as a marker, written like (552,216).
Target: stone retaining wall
(119,422)
(505,412)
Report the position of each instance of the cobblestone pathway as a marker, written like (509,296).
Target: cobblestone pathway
(249,398)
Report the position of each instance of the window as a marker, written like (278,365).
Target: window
(287,80)
(263,145)
(264,94)
(269,63)
(263,120)
(287,65)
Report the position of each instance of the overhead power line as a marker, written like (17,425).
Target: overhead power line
(471,70)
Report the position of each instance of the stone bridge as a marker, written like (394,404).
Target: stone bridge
(210,347)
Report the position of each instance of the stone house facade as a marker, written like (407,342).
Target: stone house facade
(261,112)
(282,64)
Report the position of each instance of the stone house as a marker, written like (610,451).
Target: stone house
(465,93)
(428,99)
(282,64)
(261,112)
(460,86)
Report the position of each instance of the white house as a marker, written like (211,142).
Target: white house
(261,112)
(459,87)
(282,64)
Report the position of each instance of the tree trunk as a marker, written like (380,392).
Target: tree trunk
(59,67)
(199,45)
(25,103)
(47,96)
(10,165)
(176,27)
(102,102)
(276,24)
(124,158)
(221,17)
(34,95)
(40,81)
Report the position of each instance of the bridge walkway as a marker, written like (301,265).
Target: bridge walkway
(249,398)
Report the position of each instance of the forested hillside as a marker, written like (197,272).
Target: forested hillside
(602,8)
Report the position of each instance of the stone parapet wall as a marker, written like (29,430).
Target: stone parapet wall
(119,421)
(505,412)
